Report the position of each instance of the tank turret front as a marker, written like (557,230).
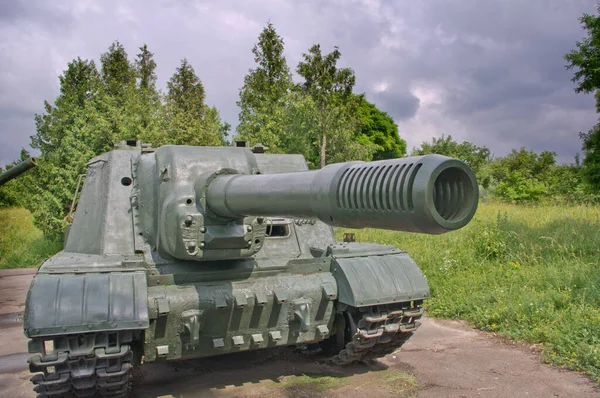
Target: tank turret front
(206,214)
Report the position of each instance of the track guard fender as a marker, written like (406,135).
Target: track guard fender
(90,302)
(366,280)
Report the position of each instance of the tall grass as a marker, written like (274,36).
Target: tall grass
(21,243)
(528,273)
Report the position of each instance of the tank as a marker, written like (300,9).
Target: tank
(17,170)
(184,252)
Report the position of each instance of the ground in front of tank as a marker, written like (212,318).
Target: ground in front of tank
(443,359)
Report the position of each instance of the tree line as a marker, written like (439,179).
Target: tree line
(320,116)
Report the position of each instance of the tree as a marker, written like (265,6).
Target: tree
(303,125)
(474,156)
(146,115)
(117,72)
(262,98)
(585,59)
(591,162)
(70,132)
(146,69)
(185,90)
(189,120)
(378,128)
(524,176)
(330,89)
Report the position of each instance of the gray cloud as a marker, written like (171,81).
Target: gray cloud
(401,105)
(23,12)
(489,72)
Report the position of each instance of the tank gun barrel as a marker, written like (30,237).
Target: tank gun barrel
(429,194)
(17,170)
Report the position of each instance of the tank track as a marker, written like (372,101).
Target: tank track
(83,365)
(378,331)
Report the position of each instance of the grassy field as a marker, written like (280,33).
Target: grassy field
(528,273)
(21,243)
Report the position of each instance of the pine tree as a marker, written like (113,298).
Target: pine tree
(262,98)
(74,129)
(330,88)
(185,90)
(146,114)
(190,121)
(146,69)
(118,74)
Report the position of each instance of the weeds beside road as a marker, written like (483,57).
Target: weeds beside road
(21,243)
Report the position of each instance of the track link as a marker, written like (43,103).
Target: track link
(378,331)
(83,365)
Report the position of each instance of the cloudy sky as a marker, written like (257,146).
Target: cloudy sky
(490,72)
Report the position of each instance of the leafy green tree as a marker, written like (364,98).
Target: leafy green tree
(146,69)
(568,187)
(477,157)
(117,73)
(591,162)
(330,89)
(524,176)
(303,124)
(263,96)
(212,122)
(186,91)
(526,163)
(378,128)
(585,59)
(70,132)
(188,119)
(145,114)
(515,188)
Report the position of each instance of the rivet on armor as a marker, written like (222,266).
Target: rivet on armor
(323,330)
(162,306)
(275,335)
(218,343)
(240,299)
(220,301)
(261,298)
(280,296)
(329,291)
(257,338)
(162,351)
(238,340)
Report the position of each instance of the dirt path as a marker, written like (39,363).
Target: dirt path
(443,359)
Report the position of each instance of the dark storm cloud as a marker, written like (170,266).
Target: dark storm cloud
(399,105)
(490,72)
